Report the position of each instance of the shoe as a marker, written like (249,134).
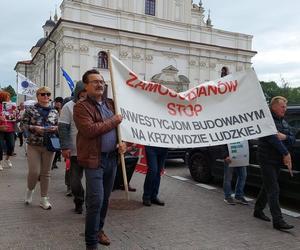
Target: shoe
(229,201)
(54,166)
(147,203)
(28,196)
(241,200)
(44,203)
(1,167)
(261,215)
(158,202)
(69,192)
(103,239)
(282,225)
(91,248)
(130,189)
(9,164)
(78,209)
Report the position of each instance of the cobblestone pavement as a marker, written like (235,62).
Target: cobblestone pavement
(193,218)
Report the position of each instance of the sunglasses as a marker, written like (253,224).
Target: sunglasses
(45,94)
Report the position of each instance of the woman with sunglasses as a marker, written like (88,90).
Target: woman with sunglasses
(39,119)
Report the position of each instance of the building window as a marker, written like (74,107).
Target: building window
(102,60)
(224,71)
(150,7)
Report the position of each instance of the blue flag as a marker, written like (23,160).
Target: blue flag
(68,79)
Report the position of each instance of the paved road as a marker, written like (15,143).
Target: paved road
(193,218)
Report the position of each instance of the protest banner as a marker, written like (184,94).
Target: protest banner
(226,110)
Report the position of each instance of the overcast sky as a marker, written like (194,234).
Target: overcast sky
(273,23)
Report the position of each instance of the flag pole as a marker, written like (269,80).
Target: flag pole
(118,129)
(17,99)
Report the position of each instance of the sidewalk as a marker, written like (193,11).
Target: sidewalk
(193,218)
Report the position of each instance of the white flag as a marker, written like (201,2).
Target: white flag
(25,86)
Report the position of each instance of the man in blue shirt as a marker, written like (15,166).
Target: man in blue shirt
(97,151)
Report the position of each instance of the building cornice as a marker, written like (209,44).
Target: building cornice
(155,37)
(138,34)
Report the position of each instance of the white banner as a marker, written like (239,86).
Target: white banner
(25,86)
(223,111)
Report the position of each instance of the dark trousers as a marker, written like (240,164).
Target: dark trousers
(99,184)
(131,162)
(68,178)
(155,160)
(269,192)
(20,136)
(76,172)
(7,139)
(56,157)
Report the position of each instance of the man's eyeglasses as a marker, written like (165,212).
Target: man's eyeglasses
(45,94)
(95,82)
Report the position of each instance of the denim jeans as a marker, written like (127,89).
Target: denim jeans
(241,173)
(155,160)
(99,183)
(76,172)
(269,192)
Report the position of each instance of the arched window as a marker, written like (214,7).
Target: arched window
(224,71)
(150,7)
(102,60)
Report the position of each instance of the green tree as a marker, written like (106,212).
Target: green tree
(271,89)
(10,90)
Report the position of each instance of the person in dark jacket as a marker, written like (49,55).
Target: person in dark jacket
(273,153)
(67,135)
(97,151)
(156,157)
(58,101)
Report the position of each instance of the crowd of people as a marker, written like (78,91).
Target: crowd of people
(86,125)
(10,117)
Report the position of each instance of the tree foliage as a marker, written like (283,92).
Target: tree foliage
(10,90)
(272,89)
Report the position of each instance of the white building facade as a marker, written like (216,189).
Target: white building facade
(150,36)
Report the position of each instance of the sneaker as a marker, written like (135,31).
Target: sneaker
(69,192)
(44,203)
(241,200)
(229,201)
(9,164)
(28,196)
